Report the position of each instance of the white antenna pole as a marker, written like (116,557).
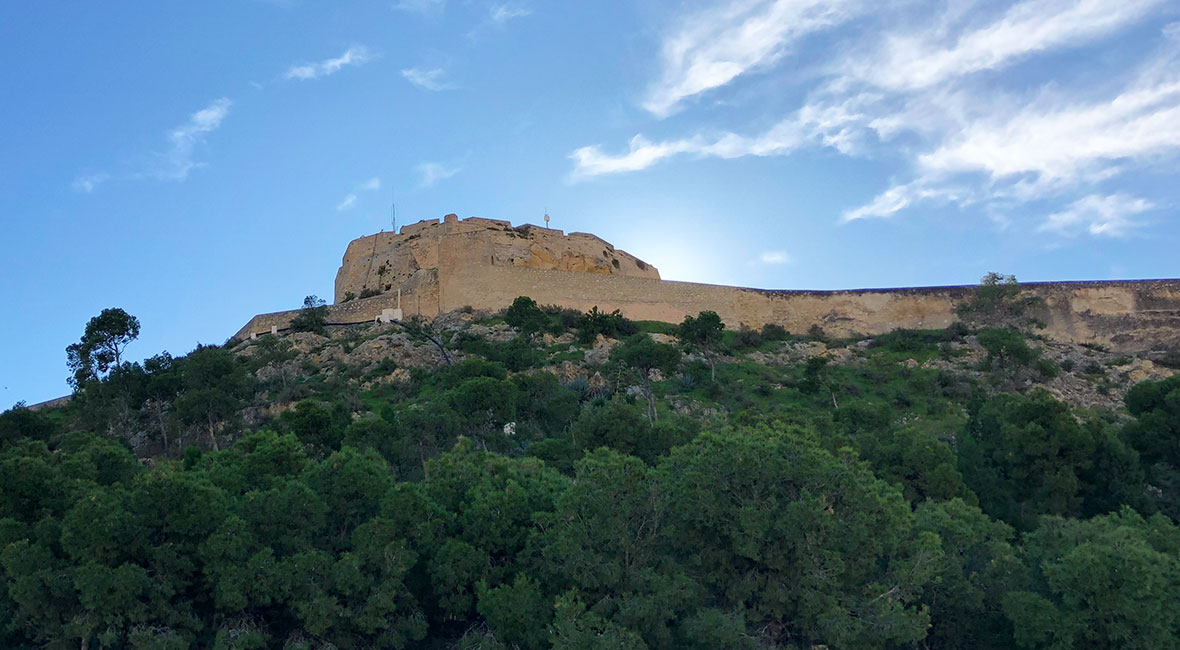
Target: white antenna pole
(393,210)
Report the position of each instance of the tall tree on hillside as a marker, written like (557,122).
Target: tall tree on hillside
(312,317)
(102,344)
(643,354)
(703,332)
(214,384)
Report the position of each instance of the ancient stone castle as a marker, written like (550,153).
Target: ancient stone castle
(432,267)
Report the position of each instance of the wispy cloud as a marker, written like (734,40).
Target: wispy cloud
(185,137)
(349,201)
(427,78)
(420,6)
(774,257)
(711,48)
(178,160)
(825,126)
(89,182)
(356,55)
(1067,142)
(925,58)
(918,75)
(433,172)
(500,14)
(1109,216)
(900,197)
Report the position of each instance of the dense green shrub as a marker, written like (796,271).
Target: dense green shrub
(860,499)
(611,325)
(525,315)
(312,317)
(1006,347)
(998,302)
(774,332)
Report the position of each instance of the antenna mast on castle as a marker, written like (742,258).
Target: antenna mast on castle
(393,210)
(546,218)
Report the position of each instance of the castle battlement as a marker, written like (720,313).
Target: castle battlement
(435,266)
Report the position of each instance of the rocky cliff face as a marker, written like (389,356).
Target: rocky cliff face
(385,262)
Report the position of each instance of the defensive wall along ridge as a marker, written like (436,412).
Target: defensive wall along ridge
(432,267)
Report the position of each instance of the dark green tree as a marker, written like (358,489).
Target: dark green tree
(1155,435)
(101,347)
(318,423)
(977,567)
(643,355)
(1111,582)
(215,385)
(703,332)
(312,317)
(608,324)
(1007,347)
(914,457)
(525,315)
(605,543)
(817,375)
(810,545)
(1027,455)
(998,302)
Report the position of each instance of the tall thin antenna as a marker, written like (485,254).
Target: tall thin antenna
(393,210)
(546,218)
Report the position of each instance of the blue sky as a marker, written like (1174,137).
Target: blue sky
(197,163)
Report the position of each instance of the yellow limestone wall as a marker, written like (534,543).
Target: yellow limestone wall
(486,264)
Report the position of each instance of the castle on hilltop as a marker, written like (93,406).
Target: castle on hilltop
(432,267)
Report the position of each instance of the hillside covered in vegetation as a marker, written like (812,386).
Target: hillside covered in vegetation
(541,478)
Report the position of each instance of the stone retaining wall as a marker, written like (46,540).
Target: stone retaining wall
(477,263)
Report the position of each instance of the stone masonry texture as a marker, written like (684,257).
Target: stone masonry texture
(486,264)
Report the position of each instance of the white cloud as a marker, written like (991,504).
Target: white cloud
(774,257)
(371,185)
(1044,149)
(826,127)
(1108,216)
(177,161)
(907,82)
(89,182)
(1069,142)
(356,55)
(591,161)
(185,137)
(420,6)
(502,13)
(428,79)
(713,47)
(432,173)
(913,61)
(900,197)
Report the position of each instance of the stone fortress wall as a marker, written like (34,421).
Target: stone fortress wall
(486,264)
